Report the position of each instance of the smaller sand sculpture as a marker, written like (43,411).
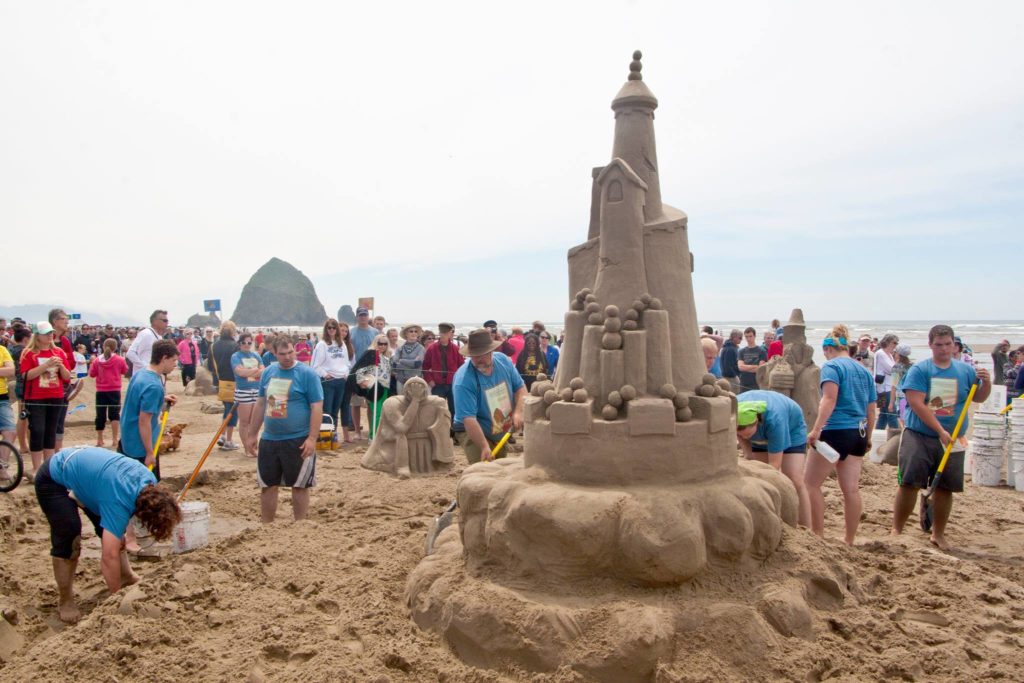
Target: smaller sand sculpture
(794,372)
(414,435)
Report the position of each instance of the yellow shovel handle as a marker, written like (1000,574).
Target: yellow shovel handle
(956,429)
(501,444)
(159,437)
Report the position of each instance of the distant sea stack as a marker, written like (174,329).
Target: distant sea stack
(346,315)
(279,294)
(202,320)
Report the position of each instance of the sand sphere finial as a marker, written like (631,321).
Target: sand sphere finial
(635,66)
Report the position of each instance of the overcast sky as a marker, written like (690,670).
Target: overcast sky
(860,160)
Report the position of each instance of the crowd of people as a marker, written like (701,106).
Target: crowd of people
(277,388)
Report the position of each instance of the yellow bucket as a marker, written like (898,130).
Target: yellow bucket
(325,440)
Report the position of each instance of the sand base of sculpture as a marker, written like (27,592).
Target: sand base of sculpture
(536,573)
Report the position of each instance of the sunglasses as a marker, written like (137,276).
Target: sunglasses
(382,343)
(246,343)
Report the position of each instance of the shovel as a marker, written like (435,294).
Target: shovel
(926,504)
(444,520)
(160,436)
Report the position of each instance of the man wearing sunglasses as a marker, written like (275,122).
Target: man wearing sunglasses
(141,349)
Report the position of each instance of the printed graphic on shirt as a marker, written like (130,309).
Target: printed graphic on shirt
(277,397)
(942,395)
(499,405)
(49,377)
(250,363)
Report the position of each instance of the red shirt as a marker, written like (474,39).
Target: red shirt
(302,352)
(775,349)
(46,385)
(433,369)
(69,352)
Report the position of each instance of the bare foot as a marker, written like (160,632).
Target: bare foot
(893,532)
(99,444)
(940,542)
(68,612)
(129,578)
(133,548)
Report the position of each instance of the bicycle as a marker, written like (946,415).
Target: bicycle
(11,465)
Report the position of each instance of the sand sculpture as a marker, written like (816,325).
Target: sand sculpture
(414,436)
(794,372)
(630,474)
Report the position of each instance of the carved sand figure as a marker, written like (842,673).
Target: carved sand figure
(794,372)
(414,435)
(630,475)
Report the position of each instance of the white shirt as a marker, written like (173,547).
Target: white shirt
(883,366)
(330,361)
(141,350)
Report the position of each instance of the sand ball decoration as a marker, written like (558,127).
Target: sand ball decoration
(632,313)
(576,305)
(718,390)
(609,412)
(566,395)
(595,319)
(646,299)
(628,392)
(684,414)
(681,401)
(706,390)
(615,399)
(541,377)
(592,307)
(590,298)
(611,341)
(612,324)
(629,324)
(668,391)
(580,396)
(708,378)
(654,304)
(724,384)
(611,311)
(535,390)
(543,387)
(550,396)
(577,383)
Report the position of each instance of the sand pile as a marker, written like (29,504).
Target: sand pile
(323,600)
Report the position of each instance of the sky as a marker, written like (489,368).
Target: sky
(857,160)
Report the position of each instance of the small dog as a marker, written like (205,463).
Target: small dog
(172,438)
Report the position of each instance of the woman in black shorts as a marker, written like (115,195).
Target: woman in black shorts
(846,416)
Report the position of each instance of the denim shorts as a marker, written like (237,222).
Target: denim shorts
(7,423)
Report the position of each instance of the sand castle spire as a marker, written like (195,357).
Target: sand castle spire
(634,107)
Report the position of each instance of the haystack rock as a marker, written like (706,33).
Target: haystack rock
(346,315)
(629,476)
(279,294)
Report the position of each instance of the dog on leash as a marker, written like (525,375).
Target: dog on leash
(172,438)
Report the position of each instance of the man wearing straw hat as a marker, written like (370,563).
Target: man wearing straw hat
(489,396)
(936,389)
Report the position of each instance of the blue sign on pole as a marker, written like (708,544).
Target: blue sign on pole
(211,305)
(76,316)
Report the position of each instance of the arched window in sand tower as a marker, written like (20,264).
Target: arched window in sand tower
(615,191)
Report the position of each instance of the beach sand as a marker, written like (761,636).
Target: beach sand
(323,600)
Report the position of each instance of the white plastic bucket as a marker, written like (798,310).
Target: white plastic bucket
(194,530)
(1017,465)
(986,470)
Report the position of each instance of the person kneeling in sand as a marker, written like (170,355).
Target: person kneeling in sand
(936,390)
(110,488)
(771,429)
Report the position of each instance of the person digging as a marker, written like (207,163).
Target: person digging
(939,383)
(110,488)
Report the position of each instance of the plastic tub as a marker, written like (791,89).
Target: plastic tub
(986,470)
(194,530)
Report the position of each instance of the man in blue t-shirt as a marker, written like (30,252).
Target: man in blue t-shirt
(771,428)
(936,390)
(290,408)
(140,416)
(489,395)
(362,335)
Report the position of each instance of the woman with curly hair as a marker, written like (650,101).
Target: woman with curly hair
(109,488)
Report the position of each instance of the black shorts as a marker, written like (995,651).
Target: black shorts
(801,449)
(919,457)
(62,514)
(846,442)
(280,463)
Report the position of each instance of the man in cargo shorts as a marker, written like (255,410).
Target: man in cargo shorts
(290,408)
(936,389)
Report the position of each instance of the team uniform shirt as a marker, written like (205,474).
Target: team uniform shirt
(105,482)
(248,360)
(945,391)
(488,398)
(288,395)
(145,395)
(49,384)
(856,391)
(5,358)
(783,424)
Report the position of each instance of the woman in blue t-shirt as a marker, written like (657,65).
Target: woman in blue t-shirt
(247,366)
(846,416)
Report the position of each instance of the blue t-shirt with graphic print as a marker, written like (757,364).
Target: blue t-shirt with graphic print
(945,391)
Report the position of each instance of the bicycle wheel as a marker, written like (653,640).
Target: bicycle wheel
(12,465)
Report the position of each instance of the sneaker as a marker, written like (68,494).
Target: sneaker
(230,446)
(220,440)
